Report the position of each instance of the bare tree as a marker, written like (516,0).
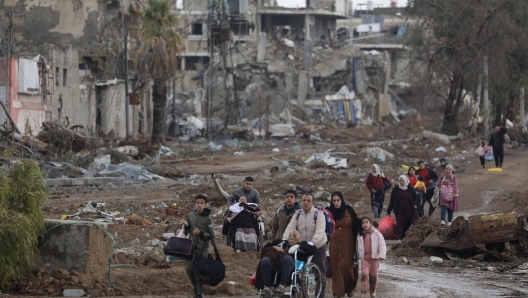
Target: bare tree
(451,39)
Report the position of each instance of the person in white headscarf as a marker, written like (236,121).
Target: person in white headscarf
(403,202)
(377,184)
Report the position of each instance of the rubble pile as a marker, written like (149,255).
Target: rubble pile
(416,234)
(41,283)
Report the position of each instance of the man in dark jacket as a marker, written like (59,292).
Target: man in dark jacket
(247,191)
(284,214)
(496,141)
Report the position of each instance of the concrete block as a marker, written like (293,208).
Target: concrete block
(86,181)
(261,47)
(65,182)
(304,80)
(104,180)
(308,49)
(80,247)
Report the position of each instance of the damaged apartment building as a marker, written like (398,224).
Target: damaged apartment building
(281,58)
(68,65)
(54,66)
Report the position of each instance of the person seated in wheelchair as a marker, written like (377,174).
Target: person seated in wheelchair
(243,224)
(274,271)
(243,204)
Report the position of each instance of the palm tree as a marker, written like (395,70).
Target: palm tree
(157,55)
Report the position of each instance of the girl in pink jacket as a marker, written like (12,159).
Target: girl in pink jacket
(481,152)
(371,250)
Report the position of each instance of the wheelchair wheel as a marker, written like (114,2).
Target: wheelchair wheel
(311,281)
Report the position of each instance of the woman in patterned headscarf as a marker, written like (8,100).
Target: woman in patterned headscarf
(403,201)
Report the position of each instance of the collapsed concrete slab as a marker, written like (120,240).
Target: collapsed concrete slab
(85,181)
(84,248)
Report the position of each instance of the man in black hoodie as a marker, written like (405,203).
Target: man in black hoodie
(199,225)
(496,141)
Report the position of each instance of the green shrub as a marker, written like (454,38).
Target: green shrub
(22,195)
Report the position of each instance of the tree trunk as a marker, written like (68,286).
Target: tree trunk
(159,100)
(453,101)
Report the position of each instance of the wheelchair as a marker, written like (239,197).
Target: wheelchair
(306,278)
(245,220)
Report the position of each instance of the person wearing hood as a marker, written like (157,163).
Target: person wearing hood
(284,214)
(497,141)
(440,168)
(199,227)
(403,201)
(377,184)
(343,246)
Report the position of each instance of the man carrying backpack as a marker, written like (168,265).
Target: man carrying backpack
(311,224)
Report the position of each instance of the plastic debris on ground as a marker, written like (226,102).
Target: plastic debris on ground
(213,146)
(163,150)
(336,163)
(319,156)
(100,163)
(436,260)
(378,153)
(441,149)
(104,216)
(128,150)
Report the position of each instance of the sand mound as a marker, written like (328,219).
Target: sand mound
(416,234)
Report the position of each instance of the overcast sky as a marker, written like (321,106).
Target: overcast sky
(377,3)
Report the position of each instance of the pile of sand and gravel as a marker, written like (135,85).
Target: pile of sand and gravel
(410,245)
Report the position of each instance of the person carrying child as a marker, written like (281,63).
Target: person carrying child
(199,225)
(371,250)
(421,189)
(481,152)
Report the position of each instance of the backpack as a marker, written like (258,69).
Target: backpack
(329,220)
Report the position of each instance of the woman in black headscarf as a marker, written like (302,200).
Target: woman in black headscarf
(343,247)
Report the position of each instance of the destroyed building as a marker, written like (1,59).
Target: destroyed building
(50,73)
(276,59)
(288,59)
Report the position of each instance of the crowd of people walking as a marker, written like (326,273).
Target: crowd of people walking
(352,242)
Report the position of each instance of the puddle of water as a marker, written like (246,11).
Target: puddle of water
(406,281)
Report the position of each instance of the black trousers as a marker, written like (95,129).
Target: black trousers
(267,268)
(482,160)
(498,154)
(427,198)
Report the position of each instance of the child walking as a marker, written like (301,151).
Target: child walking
(481,151)
(371,250)
(200,226)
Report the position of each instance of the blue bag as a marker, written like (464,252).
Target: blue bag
(489,156)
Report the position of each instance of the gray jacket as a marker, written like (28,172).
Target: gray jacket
(252,195)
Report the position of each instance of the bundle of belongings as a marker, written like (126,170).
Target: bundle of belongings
(243,225)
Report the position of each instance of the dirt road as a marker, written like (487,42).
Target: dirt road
(480,192)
